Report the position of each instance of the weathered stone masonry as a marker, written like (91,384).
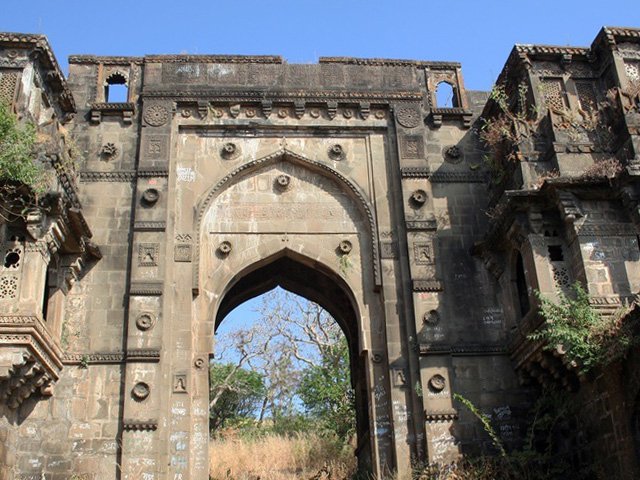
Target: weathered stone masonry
(221,177)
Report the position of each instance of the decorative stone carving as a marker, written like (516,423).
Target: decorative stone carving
(156,115)
(399,377)
(337,152)
(150,196)
(182,252)
(180,383)
(423,253)
(148,254)
(408,117)
(140,425)
(144,226)
(155,146)
(412,146)
(108,151)
(415,172)
(283,181)
(21,375)
(345,247)
(418,198)
(225,248)
(347,113)
(365,110)
(8,287)
(140,391)
(377,357)
(200,363)
(234,111)
(428,285)
(388,250)
(437,383)
(267,108)
(431,318)
(145,321)
(230,151)
(452,154)
(332,109)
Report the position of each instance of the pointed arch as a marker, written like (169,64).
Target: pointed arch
(295,158)
(317,282)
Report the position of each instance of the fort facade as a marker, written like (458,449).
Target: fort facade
(216,178)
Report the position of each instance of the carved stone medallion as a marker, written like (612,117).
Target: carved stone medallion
(337,152)
(140,391)
(230,151)
(145,321)
(452,154)
(156,115)
(345,247)
(408,117)
(437,383)
(432,317)
(225,248)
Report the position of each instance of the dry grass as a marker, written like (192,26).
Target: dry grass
(273,457)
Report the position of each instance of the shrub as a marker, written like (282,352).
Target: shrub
(587,338)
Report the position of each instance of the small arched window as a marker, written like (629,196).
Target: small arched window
(445,96)
(521,286)
(116,89)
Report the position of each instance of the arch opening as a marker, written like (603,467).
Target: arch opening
(116,88)
(309,280)
(445,95)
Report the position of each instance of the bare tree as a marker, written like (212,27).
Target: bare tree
(291,334)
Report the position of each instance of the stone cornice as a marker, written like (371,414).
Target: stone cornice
(471,349)
(318,96)
(263,59)
(122,175)
(106,60)
(106,358)
(390,62)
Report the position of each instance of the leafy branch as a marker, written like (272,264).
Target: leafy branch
(586,338)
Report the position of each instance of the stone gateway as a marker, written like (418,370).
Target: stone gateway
(217,178)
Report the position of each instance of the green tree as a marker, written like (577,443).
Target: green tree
(326,392)
(235,393)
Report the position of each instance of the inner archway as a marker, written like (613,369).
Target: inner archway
(311,281)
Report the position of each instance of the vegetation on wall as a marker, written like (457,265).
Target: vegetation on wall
(539,456)
(586,338)
(504,134)
(17,144)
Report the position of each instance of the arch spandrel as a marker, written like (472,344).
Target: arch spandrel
(344,203)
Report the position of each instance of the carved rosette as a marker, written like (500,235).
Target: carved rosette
(408,116)
(156,115)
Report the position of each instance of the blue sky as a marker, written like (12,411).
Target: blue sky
(479,33)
